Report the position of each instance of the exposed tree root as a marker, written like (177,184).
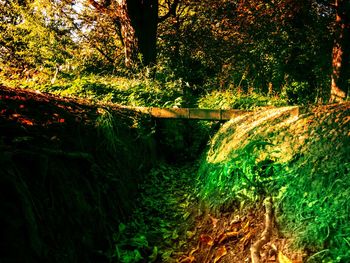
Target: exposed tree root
(266,234)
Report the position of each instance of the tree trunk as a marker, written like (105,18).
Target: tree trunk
(144,19)
(138,20)
(341,52)
(128,33)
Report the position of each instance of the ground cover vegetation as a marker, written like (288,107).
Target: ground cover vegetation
(274,153)
(253,55)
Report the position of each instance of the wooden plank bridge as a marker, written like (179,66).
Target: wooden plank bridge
(195,113)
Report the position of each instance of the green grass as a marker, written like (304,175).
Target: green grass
(304,164)
(231,99)
(137,91)
(131,92)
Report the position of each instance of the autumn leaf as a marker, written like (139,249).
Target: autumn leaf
(245,227)
(193,251)
(188,259)
(227,235)
(282,258)
(214,220)
(206,239)
(220,253)
(26,121)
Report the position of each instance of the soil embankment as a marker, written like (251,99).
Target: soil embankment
(69,173)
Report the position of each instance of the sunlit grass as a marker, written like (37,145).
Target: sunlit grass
(302,162)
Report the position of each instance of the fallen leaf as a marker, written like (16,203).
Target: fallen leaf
(214,220)
(220,253)
(193,251)
(188,259)
(227,235)
(26,122)
(282,258)
(246,239)
(208,240)
(246,225)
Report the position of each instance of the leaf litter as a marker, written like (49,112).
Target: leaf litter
(175,229)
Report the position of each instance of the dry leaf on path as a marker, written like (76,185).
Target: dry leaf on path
(206,239)
(188,259)
(193,251)
(214,221)
(282,258)
(227,235)
(220,253)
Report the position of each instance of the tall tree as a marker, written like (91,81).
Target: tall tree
(341,52)
(34,36)
(138,21)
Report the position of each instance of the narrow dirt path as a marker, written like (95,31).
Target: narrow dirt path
(168,225)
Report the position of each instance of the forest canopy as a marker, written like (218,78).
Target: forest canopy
(296,49)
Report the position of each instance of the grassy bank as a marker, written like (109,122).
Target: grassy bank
(302,162)
(69,176)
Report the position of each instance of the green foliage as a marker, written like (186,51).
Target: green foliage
(231,99)
(107,129)
(31,42)
(252,45)
(298,93)
(242,179)
(154,231)
(310,189)
(124,91)
(314,189)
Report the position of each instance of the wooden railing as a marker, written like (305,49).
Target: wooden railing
(195,113)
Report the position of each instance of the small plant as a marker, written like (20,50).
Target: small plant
(107,129)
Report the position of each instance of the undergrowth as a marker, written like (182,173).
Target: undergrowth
(137,91)
(232,99)
(243,179)
(304,164)
(160,224)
